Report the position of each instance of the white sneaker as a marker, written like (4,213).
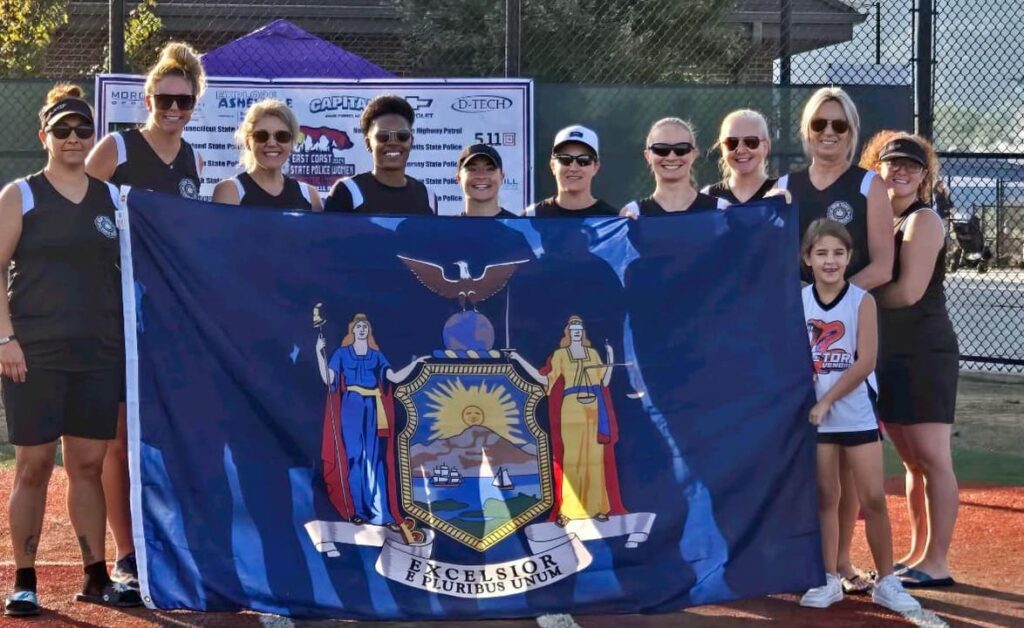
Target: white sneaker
(889,592)
(826,595)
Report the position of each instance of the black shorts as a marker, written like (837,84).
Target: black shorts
(849,439)
(51,404)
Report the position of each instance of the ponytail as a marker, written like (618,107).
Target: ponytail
(178,59)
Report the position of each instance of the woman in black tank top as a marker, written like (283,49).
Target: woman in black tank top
(671,149)
(833,187)
(61,344)
(265,140)
(156,157)
(153,158)
(743,140)
(918,359)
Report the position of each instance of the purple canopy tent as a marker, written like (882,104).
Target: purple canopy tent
(282,50)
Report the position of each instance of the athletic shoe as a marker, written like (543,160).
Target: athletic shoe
(826,595)
(126,571)
(889,592)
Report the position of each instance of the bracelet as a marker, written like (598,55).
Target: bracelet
(6,339)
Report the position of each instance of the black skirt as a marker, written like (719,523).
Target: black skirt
(918,388)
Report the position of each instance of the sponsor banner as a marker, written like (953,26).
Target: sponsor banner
(450,114)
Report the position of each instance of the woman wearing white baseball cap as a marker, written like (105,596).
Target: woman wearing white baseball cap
(574,162)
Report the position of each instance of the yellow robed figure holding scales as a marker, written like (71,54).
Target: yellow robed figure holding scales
(583,427)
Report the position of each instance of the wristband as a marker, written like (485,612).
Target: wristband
(6,339)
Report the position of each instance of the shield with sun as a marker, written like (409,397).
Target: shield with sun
(473,463)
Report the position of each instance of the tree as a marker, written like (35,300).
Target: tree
(606,41)
(142,39)
(26,28)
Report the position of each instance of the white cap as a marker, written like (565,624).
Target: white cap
(577,133)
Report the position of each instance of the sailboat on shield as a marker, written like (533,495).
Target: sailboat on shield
(503,480)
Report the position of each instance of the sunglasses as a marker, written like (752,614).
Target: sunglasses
(401,136)
(663,150)
(281,137)
(732,143)
(185,102)
(906,165)
(581,160)
(839,126)
(63,131)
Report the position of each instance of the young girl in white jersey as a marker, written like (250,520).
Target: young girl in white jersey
(842,325)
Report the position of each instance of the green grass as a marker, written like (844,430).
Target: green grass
(972,465)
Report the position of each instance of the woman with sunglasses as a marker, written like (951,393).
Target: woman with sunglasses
(61,345)
(154,157)
(834,187)
(575,161)
(265,140)
(918,360)
(670,152)
(743,140)
(386,124)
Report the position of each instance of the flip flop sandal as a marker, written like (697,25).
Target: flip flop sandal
(857,585)
(113,594)
(917,579)
(898,567)
(21,604)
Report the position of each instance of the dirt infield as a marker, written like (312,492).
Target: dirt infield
(987,562)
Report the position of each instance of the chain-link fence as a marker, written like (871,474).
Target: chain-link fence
(617,65)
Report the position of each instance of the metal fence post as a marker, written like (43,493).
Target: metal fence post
(513,11)
(785,80)
(115,42)
(925,66)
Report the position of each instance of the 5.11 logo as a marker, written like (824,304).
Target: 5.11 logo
(496,138)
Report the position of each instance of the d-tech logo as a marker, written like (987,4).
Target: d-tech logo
(481,104)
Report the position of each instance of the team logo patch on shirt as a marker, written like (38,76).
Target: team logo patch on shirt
(106,226)
(188,189)
(823,335)
(840,211)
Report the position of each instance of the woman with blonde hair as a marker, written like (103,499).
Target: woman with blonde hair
(745,145)
(154,157)
(61,346)
(918,360)
(833,187)
(670,150)
(266,139)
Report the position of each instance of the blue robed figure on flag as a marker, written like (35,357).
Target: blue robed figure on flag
(357,451)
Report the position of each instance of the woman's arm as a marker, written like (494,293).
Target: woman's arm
(314,199)
(326,374)
(12,359)
(532,372)
(923,239)
(226,192)
(401,375)
(880,245)
(102,161)
(863,363)
(609,360)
